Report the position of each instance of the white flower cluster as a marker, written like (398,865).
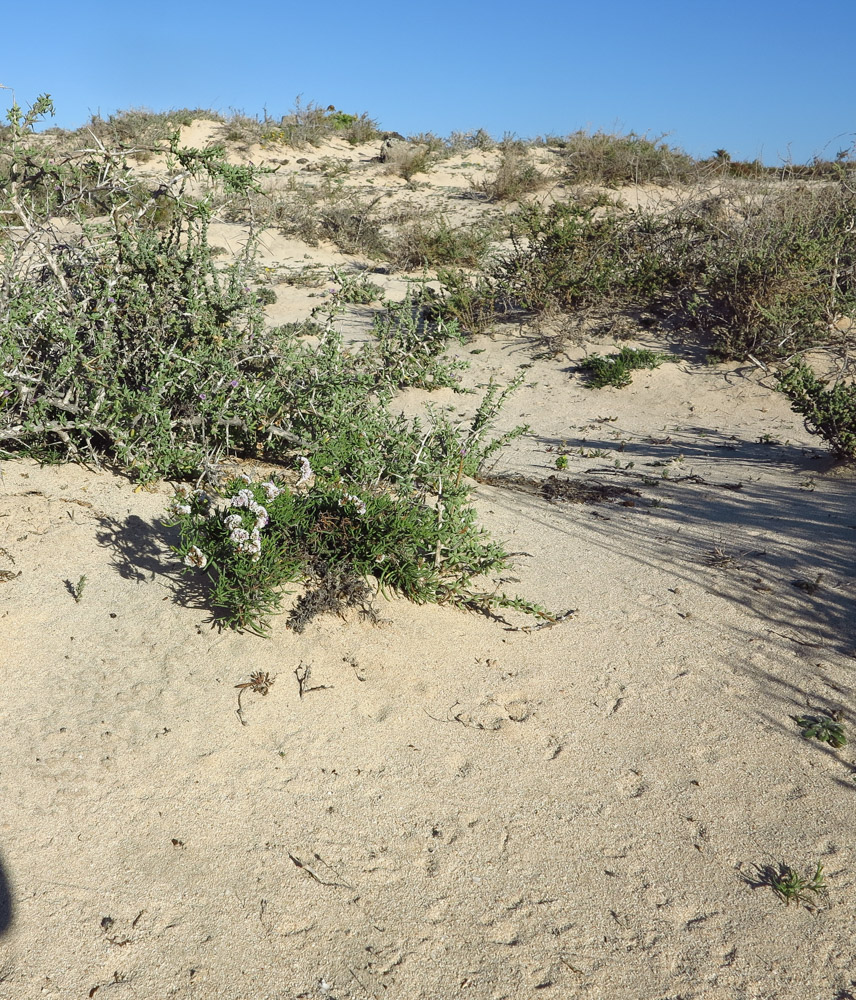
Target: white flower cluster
(250,541)
(196,557)
(305,471)
(180,503)
(356,501)
(176,507)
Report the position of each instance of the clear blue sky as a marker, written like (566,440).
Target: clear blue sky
(759,78)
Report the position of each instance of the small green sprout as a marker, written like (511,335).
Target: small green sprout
(791,886)
(823,728)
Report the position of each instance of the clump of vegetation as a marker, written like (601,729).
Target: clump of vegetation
(408,345)
(436,243)
(353,225)
(312,124)
(829,412)
(769,284)
(612,160)
(457,142)
(406,159)
(514,176)
(141,128)
(474,303)
(791,886)
(765,283)
(616,369)
(263,536)
(327,532)
(355,289)
(823,728)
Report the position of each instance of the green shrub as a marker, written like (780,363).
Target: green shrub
(605,158)
(770,284)
(514,177)
(616,369)
(474,303)
(829,412)
(433,243)
(263,536)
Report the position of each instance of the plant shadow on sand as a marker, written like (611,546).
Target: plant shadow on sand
(782,553)
(6,910)
(143,551)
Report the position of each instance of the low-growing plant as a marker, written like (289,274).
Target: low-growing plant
(474,303)
(355,289)
(791,886)
(828,411)
(514,177)
(352,223)
(76,589)
(610,159)
(823,728)
(616,369)
(261,536)
(405,159)
(436,243)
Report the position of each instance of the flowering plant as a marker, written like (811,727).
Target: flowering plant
(260,536)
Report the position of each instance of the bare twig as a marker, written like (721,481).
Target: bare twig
(260,682)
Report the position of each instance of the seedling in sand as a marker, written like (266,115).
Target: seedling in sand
(824,728)
(76,589)
(791,886)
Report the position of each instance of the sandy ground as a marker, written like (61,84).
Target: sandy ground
(452,809)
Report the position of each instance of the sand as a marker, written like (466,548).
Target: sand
(449,808)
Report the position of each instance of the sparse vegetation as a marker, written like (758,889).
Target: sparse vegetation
(612,160)
(310,124)
(514,177)
(128,341)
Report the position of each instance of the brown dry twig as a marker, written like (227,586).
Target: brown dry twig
(260,682)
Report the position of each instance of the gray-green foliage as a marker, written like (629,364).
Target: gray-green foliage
(344,530)
(129,342)
(615,159)
(765,283)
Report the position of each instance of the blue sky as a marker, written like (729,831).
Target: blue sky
(773,80)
